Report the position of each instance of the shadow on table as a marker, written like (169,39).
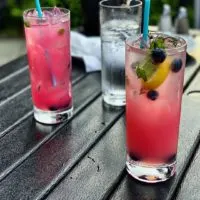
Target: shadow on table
(141,191)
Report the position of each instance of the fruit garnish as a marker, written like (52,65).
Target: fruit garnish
(157,42)
(27,24)
(141,73)
(158,55)
(61,31)
(158,76)
(176,65)
(155,68)
(152,94)
(145,69)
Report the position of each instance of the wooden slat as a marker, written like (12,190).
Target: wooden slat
(186,148)
(195,84)
(102,186)
(22,141)
(13,85)
(13,66)
(19,79)
(86,181)
(44,168)
(99,169)
(21,99)
(96,191)
(42,156)
(190,73)
(189,189)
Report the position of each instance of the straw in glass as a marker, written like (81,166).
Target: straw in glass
(146,21)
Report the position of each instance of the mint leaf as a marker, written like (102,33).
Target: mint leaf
(145,69)
(141,73)
(27,24)
(158,42)
(149,68)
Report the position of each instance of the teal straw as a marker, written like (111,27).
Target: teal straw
(38,8)
(146,20)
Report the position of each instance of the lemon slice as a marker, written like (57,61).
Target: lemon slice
(158,76)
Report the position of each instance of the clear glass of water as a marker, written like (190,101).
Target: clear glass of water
(118,21)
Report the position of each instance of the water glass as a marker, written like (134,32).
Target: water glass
(117,22)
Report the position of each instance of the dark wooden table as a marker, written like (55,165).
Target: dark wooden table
(84,159)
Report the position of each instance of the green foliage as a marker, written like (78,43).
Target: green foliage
(13,12)
(76,14)
(157,7)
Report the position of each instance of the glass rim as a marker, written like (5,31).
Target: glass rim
(66,12)
(101,4)
(133,41)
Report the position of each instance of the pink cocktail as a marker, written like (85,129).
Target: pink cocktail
(154,85)
(48,48)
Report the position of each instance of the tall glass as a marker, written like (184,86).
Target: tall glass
(48,48)
(117,21)
(154,85)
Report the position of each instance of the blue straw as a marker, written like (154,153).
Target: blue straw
(146,20)
(38,8)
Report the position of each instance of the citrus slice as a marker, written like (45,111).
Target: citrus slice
(159,76)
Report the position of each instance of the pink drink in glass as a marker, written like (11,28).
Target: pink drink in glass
(48,48)
(153,108)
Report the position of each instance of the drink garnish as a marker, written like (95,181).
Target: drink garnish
(61,31)
(159,76)
(176,65)
(145,69)
(157,42)
(27,24)
(155,68)
(158,55)
(152,94)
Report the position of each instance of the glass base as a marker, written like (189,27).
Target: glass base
(114,100)
(52,117)
(150,173)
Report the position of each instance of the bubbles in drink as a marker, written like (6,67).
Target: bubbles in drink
(113,35)
(51,16)
(56,11)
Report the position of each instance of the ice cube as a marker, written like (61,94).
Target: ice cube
(47,14)
(33,13)
(171,42)
(56,11)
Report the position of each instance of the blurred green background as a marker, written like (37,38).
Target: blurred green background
(11,14)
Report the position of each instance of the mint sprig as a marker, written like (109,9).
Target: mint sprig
(158,42)
(145,69)
(141,73)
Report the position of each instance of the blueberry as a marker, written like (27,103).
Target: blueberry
(135,157)
(53,108)
(152,94)
(176,65)
(158,55)
(171,158)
